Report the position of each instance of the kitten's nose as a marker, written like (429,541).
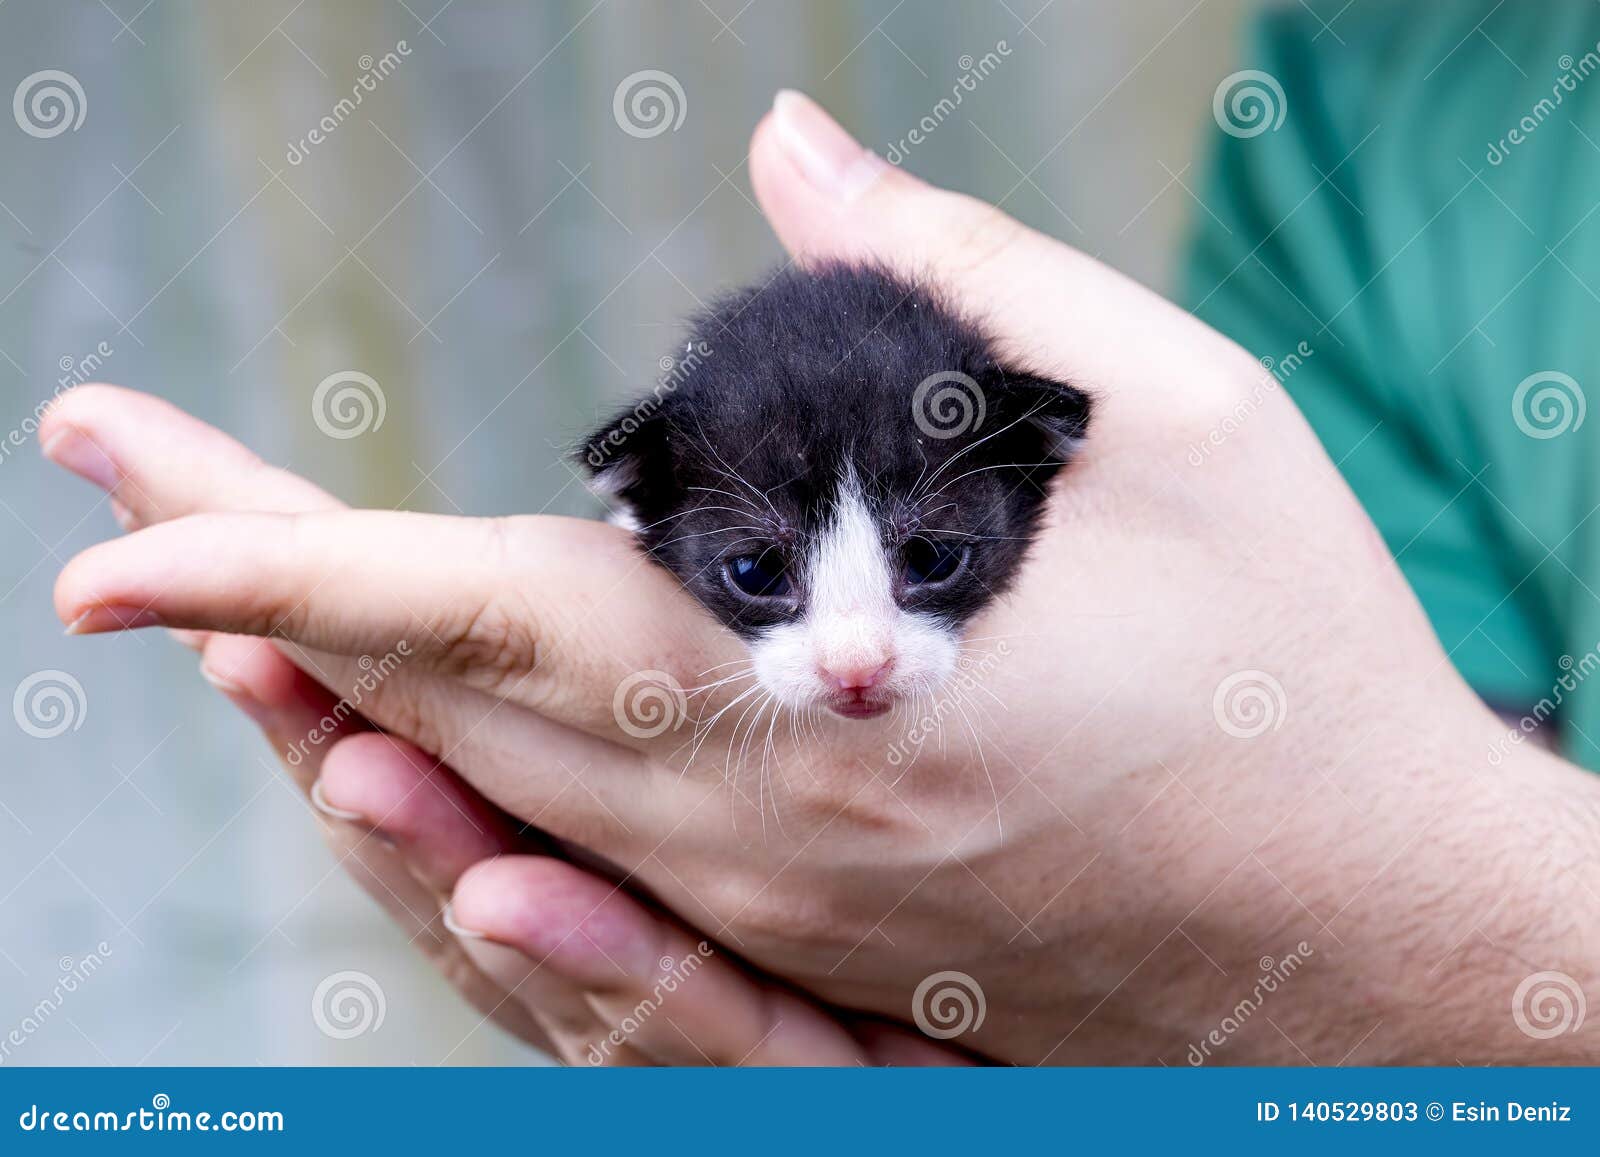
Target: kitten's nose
(855,676)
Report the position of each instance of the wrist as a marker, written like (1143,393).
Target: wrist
(1464,909)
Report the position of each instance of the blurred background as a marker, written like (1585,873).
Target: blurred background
(498,237)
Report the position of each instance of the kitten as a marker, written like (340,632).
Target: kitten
(842,470)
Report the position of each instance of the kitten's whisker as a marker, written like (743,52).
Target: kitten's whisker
(691,510)
(758,537)
(767,749)
(983,761)
(690,692)
(971,446)
(703,729)
(1003,466)
(717,666)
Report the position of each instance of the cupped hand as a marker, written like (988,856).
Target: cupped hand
(1209,730)
(554,954)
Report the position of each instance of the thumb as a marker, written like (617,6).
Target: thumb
(1049,305)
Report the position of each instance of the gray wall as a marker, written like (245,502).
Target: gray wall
(536,274)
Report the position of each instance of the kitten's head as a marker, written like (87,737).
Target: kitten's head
(841,471)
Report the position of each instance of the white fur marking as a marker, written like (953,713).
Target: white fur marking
(852,625)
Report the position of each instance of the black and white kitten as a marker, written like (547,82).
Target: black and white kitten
(841,469)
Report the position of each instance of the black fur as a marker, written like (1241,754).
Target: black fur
(785,385)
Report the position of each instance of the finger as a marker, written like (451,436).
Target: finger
(289,705)
(496,602)
(889,1044)
(659,989)
(143,437)
(401,792)
(302,720)
(126,442)
(829,199)
(437,828)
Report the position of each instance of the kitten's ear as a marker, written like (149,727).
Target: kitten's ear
(1059,411)
(624,459)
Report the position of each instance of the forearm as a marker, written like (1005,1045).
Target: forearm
(1474,939)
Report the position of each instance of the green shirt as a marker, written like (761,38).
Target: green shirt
(1425,218)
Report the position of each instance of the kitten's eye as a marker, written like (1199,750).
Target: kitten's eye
(761,576)
(932,561)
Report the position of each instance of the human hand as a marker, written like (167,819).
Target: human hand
(556,955)
(1129,846)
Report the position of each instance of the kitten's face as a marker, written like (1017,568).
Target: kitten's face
(792,486)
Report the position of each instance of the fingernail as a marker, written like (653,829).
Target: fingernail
(829,157)
(217,679)
(72,451)
(448,918)
(98,620)
(320,802)
(123,515)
